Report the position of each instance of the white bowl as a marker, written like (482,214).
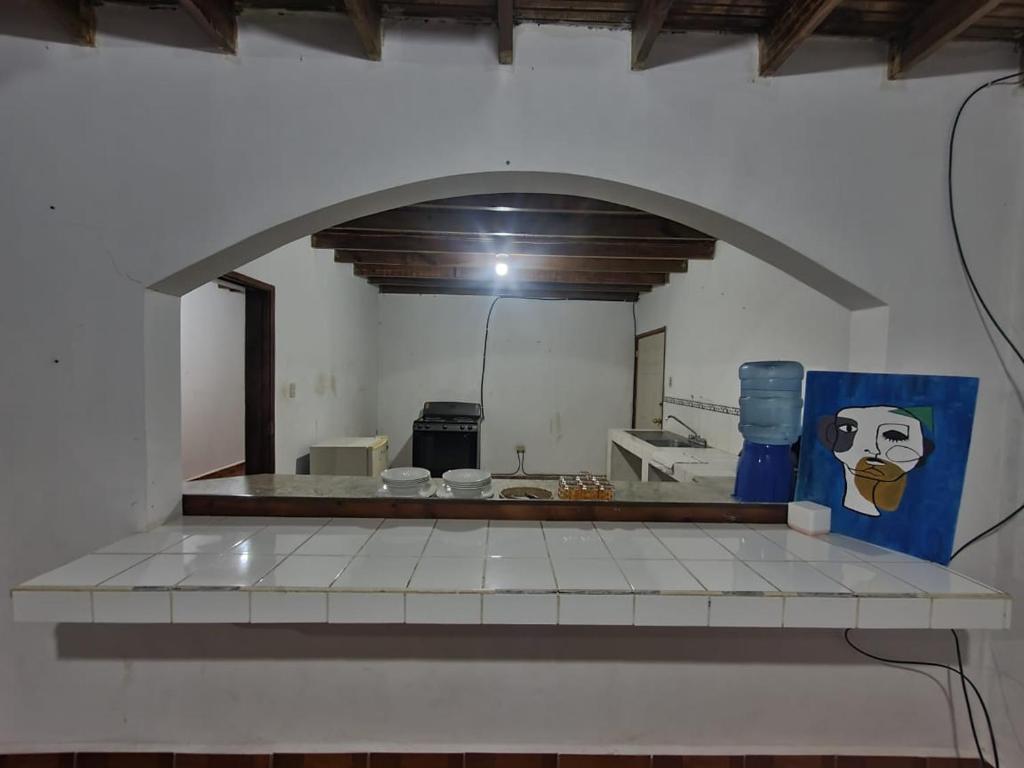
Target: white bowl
(408,477)
(467,478)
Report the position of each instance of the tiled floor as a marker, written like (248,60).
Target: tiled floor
(287,570)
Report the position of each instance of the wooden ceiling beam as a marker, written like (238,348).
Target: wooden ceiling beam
(503,284)
(383,258)
(936,25)
(572,277)
(797,22)
(338,238)
(538,293)
(505,25)
(78,17)
(600,224)
(217,18)
(365,16)
(650,18)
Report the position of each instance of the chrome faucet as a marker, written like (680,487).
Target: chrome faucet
(695,438)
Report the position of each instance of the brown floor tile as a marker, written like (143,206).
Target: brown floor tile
(698,761)
(409,760)
(56,760)
(221,761)
(604,761)
(511,761)
(124,760)
(789,761)
(849,761)
(311,760)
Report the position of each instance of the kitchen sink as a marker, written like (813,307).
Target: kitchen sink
(663,439)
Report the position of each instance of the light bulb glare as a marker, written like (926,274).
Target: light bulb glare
(501,269)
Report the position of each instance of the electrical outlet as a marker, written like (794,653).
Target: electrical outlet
(520,448)
(291,391)
(670,382)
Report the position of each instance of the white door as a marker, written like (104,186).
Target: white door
(649,381)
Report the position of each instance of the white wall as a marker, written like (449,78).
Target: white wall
(559,374)
(325,344)
(153,157)
(727,311)
(212,379)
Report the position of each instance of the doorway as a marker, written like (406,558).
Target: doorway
(649,379)
(258,372)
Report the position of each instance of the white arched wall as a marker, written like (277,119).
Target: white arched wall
(131,162)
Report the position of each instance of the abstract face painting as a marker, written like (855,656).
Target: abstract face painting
(878,446)
(887,453)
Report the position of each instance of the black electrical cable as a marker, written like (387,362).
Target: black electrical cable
(964,680)
(1005,80)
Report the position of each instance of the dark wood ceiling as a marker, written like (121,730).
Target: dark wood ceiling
(914,28)
(554,246)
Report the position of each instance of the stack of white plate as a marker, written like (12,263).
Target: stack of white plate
(466,484)
(406,482)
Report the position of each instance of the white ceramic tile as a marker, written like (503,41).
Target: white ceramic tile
(448,574)
(144,543)
(837,612)
(518,573)
(588,574)
(566,540)
(935,579)
(160,571)
(865,551)
(865,578)
(595,609)
(85,571)
(347,539)
(442,609)
(969,613)
(371,574)
(516,539)
(398,538)
(745,611)
(633,541)
(231,571)
(52,605)
(727,576)
(671,611)
(893,612)
(365,608)
(221,606)
(363,523)
(276,540)
(457,538)
(688,542)
(289,607)
(806,547)
(659,576)
(750,546)
(132,606)
(296,522)
(305,571)
(521,609)
(798,577)
(216,543)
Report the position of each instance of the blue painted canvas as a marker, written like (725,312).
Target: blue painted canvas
(887,453)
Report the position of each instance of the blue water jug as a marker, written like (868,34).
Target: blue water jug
(770,411)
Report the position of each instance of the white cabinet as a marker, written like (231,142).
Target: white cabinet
(360,456)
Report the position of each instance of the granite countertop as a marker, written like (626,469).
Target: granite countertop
(714,490)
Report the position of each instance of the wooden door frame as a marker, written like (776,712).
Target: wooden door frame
(259,372)
(636,361)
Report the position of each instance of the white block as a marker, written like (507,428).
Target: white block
(595,609)
(273,607)
(442,609)
(969,613)
(745,611)
(836,612)
(894,612)
(520,609)
(810,518)
(225,606)
(132,607)
(52,605)
(365,608)
(671,611)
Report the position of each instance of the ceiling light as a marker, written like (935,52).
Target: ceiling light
(501,268)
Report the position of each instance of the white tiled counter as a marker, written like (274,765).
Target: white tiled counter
(242,570)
